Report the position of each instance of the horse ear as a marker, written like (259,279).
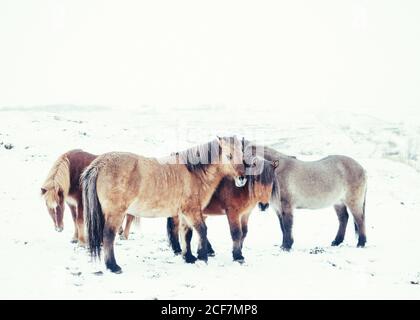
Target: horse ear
(43,191)
(254,162)
(275,163)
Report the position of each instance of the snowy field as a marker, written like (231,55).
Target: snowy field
(38,262)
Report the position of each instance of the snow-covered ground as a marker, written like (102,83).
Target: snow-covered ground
(38,262)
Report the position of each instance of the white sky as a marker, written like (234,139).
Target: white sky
(169,53)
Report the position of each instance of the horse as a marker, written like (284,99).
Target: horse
(236,203)
(63,186)
(336,180)
(117,183)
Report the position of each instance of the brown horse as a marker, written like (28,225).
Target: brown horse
(236,203)
(63,186)
(337,181)
(116,183)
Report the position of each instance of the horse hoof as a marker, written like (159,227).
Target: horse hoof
(123,237)
(119,271)
(115,269)
(177,252)
(287,249)
(73,241)
(211,252)
(240,260)
(202,254)
(203,257)
(190,259)
(361,243)
(335,243)
(81,244)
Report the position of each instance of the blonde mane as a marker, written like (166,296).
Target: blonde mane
(201,156)
(58,179)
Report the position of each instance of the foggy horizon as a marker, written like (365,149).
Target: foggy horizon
(274,54)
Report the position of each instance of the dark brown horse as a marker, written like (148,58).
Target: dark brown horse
(62,186)
(118,183)
(236,203)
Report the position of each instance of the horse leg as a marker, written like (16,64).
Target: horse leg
(126,232)
(73,210)
(359,221)
(80,224)
(172,228)
(287,221)
(236,234)
(279,215)
(210,250)
(244,226)
(197,223)
(111,226)
(343,217)
(185,234)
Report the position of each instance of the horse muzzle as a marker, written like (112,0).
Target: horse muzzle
(240,181)
(263,206)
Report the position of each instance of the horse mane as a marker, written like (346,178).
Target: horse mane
(58,180)
(198,158)
(265,177)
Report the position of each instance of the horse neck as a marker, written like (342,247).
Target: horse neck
(209,180)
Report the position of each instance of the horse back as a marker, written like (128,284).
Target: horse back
(317,184)
(354,172)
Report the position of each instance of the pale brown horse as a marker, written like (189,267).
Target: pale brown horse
(236,203)
(337,181)
(63,186)
(116,183)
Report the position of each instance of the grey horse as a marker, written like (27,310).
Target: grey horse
(336,180)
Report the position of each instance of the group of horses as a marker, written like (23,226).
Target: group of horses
(226,176)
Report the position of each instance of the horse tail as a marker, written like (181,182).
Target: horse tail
(92,210)
(356,229)
(364,205)
(275,193)
(57,184)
